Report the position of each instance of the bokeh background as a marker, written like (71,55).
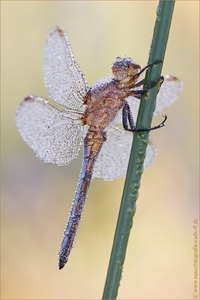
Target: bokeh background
(36,197)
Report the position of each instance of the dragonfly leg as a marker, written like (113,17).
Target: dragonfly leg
(155,63)
(139,93)
(127,117)
(138,84)
(154,83)
(148,129)
(135,76)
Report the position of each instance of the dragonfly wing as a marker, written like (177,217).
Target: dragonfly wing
(53,135)
(169,92)
(63,77)
(112,161)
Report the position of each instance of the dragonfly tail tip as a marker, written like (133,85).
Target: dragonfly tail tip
(61,263)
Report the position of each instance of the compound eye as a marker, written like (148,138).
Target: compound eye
(119,70)
(133,68)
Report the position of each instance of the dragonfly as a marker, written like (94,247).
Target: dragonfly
(99,119)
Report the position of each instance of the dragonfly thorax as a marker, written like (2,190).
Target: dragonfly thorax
(103,101)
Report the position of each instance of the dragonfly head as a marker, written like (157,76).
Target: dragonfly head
(124,68)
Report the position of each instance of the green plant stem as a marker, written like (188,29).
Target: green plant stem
(138,151)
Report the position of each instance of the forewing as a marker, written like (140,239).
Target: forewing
(169,92)
(112,161)
(54,135)
(64,80)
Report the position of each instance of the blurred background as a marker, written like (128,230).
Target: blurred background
(36,197)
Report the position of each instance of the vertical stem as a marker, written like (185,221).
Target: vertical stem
(138,151)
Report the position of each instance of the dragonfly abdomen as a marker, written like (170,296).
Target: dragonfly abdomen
(92,145)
